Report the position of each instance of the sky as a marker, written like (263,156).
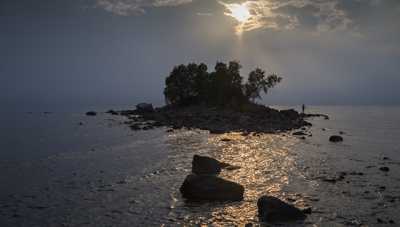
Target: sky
(77,54)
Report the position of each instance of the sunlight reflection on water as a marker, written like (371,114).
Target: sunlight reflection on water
(265,166)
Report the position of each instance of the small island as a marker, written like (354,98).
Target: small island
(218,101)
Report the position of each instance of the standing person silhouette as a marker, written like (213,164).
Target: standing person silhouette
(303,107)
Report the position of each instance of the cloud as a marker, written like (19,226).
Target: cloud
(204,14)
(135,7)
(314,15)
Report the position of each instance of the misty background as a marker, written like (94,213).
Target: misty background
(59,55)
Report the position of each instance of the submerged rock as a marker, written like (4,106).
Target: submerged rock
(91,113)
(271,209)
(299,133)
(205,165)
(384,169)
(335,139)
(210,188)
(112,112)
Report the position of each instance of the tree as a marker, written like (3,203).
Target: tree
(258,82)
(192,84)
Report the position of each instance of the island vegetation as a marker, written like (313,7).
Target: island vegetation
(218,101)
(192,84)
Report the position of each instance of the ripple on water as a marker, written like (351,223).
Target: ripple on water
(266,167)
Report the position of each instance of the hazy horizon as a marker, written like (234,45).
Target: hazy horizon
(59,55)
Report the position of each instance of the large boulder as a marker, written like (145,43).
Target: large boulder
(145,108)
(210,188)
(335,139)
(205,165)
(271,209)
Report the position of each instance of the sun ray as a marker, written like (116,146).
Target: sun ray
(238,11)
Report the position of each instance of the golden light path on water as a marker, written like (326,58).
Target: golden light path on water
(256,155)
(265,167)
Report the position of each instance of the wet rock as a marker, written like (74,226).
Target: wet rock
(210,188)
(205,165)
(384,169)
(144,108)
(335,139)
(226,140)
(91,113)
(354,173)
(271,209)
(112,112)
(299,133)
(333,179)
(231,167)
(135,127)
(307,210)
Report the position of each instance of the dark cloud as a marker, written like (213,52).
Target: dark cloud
(129,7)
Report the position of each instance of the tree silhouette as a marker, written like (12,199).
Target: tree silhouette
(258,82)
(192,84)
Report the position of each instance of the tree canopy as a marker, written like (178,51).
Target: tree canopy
(193,84)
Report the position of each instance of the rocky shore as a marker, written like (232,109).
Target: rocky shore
(256,118)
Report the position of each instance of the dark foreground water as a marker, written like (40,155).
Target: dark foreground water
(56,172)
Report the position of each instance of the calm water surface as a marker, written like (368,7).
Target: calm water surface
(55,171)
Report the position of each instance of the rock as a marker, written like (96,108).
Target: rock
(231,167)
(210,188)
(91,113)
(384,169)
(226,140)
(271,209)
(135,127)
(112,112)
(307,210)
(291,114)
(335,139)
(299,133)
(205,165)
(144,108)
(341,133)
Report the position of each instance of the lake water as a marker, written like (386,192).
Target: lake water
(67,169)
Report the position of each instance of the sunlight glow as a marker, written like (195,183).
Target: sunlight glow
(246,15)
(238,11)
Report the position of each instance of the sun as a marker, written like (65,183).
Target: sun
(238,11)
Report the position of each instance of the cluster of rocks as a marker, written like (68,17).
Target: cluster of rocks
(257,118)
(204,185)
(303,133)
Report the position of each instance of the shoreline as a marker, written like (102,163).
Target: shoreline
(256,119)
